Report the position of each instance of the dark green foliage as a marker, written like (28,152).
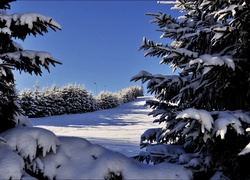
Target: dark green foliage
(12,56)
(205,31)
(200,105)
(107,100)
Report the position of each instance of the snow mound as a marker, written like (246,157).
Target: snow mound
(77,158)
(28,141)
(26,151)
(11,164)
(23,121)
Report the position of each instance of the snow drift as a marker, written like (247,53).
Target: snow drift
(31,151)
(28,152)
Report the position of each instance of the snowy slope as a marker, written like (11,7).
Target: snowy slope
(34,151)
(118,129)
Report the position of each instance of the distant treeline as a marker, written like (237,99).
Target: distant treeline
(72,99)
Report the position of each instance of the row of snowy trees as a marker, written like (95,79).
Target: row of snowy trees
(72,99)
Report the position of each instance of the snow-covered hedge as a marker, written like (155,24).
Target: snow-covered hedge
(72,99)
(129,94)
(107,100)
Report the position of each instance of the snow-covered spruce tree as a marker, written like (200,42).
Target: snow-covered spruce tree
(27,103)
(107,100)
(131,93)
(45,103)
(53,95)
(92,103)
(76,99)
(206,106)
(12,55)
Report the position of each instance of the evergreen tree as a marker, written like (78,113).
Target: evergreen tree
(131,93)
(45,103)
(92,102)
(12,55)
(200,105)
(107,100)
(27,103)
(54,96)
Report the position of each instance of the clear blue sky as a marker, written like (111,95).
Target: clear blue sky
(98,42)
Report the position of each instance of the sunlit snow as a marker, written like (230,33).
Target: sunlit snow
(118,129)
(71,155)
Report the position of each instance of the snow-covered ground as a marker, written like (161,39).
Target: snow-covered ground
(27,151)
(117,129)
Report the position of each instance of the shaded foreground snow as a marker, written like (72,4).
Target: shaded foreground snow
(35,151)
(48,156)
(118,129)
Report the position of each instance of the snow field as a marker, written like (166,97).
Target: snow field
(28,151)
(117,129)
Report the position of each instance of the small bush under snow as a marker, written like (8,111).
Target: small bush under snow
(30,151)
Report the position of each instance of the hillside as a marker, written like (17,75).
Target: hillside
(117,129)
(78,151)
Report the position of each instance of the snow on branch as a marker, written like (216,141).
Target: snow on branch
(5,30)
(181,51)
(222,123)
(150,135)
(21,24)
(208,61)
(143,75)
(246,150)
(201,115)
(167,2)
(175,3)
(4,68)
(31,59)
(40,55)
(215,122)
(221,14)
(27,19)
